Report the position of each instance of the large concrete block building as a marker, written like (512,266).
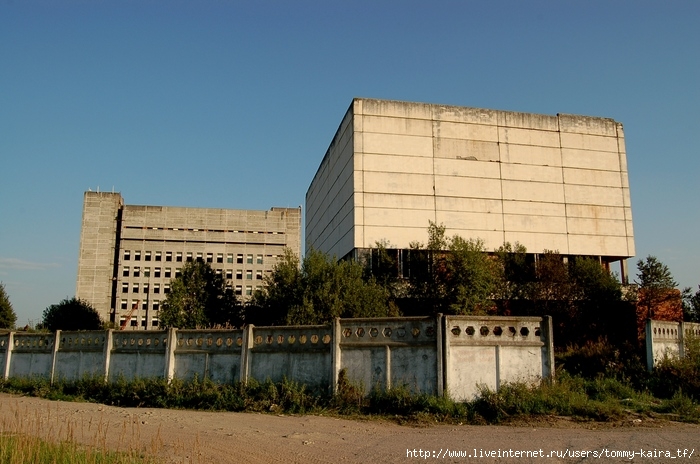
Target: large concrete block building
(549,182)
(129,253)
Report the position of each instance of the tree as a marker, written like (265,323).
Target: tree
(472,277)
(7,313)
(199,298)
(656,286)
(315,292)
(71,314)
(691,305)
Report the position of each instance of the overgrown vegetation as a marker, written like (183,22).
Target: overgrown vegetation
(615,387)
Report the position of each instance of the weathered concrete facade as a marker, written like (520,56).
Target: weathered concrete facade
(549,182)
(129,254)
(430,355)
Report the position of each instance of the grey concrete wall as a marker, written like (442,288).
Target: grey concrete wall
(489,351)
(424,354)
(301,354)
(667,339)
(391,352)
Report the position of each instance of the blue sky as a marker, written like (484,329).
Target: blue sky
(232,104)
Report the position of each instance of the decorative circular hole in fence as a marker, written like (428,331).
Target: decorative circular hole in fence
(302,339)
(314,339)
(347,332)
(430,331)
(538,332)
(326,339)
(360,332)
(456,331)
(132,342)
(497,331)
(524,331)
(291,339)
(124,342)
(280,339)
(148,342)
(16,342)
(219,341)
(512,331)
(180,342)
(268,339)
(89,341)
(165,341)
(387,332)
(400,332)
(2,342)
(82,341)
(210,341)
(415,332)
(156,341)
(229,342)
(258,340)
(484,331)
(199,341)
(63,342)
(239,341)
(190,341)
(373,332)
(140,341)
(470,331)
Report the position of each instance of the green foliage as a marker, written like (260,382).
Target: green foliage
(315,293)
(71,314)
(691,305)
(675,374)
(199,298)
(8,318)
(655,284)
(472,277)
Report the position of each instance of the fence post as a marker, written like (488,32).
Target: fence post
(649,346)
(170,354)
(56,343)
(245,352)
(107,353)
(440,332)
(335,355)
(8,354)
(548,330)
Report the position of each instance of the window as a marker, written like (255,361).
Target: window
(178,257)
(229,274)
(147,272)
(239,290)
(249,274)
(167,272)
(147,256)
(219,257)
(127,255)
(156,288)
(122,320)
(154,322)
(248,290)
(144,305)
(218,271)
(156,305)
(259,259)
(145,288)
(125,272)
(125,287)
(258,275)
(239,258)
(229,258)
(134,322)
(143,322)
(137,256)
(124,304)
(199,256)
(249,259)
(158,255)
(228,287)
(210,257)
(166,288)
(168,255)
(137,271)
(135,288)
(189,256)
(239,274)
(178,272)
(156,272)
(134,304)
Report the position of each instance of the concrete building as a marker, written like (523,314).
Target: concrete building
(129,254)
(549,182)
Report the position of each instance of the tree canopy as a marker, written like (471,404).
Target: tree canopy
(8,318)
(316,290)
(199,298)
(71,314)
(656,286)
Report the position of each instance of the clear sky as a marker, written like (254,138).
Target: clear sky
(231,104)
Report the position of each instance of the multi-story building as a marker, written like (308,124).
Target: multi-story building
(548,182)
(129,254)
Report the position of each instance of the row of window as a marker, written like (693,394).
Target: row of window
(271,232)
(134,322)
(190,256)
(238,290)
(167,273)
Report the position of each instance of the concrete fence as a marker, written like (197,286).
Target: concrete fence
(452,354)
(667,339)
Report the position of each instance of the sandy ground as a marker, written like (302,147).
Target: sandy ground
(222,437)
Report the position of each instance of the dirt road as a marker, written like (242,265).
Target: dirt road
(216,437)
